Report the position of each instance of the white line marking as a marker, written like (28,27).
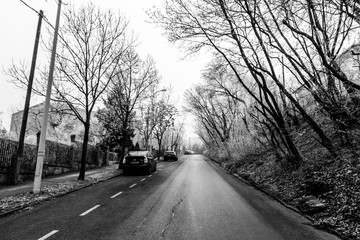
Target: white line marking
(114,196)
(142,179)
(150,175)
(133,185)
(91,209)
(48,235)
(156,172)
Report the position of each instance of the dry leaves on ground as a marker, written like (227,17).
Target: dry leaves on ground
(26,200)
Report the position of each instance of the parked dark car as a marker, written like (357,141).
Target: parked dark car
(189,152)
(139,161)
(170,155)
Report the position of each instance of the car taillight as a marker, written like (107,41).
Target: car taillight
(146,160)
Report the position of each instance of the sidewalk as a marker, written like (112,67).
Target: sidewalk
(26,187)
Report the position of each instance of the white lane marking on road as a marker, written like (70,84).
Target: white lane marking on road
(156,172)
(150,175)
(114,196)
(133,185)
(48,235)
(142,179)
(91,209)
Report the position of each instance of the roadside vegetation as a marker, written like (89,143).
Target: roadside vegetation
(279,102)
(101,82)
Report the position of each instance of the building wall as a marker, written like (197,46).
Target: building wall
(60,124)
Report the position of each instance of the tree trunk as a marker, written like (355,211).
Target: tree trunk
(295,159)
(159,152)
(146,138)
(84,151)
(123,148)
(324,140)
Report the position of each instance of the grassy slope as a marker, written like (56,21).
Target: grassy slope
(335,182)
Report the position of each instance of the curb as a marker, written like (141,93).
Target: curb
(19,209)
(285,204)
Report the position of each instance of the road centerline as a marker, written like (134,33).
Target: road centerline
(48,235)
(142,179)
(133,185)
(91,209)
(115,195)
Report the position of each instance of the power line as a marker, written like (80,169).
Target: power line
(44,17)
(29,7)
(47,20)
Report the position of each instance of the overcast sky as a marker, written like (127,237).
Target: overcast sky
(18,25)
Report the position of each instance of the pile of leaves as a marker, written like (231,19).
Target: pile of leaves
(343,213)
(25,201)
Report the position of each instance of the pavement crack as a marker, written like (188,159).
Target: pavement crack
(148,212)
(173,210)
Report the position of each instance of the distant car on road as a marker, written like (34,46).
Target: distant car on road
(170,155)
(189,152)
(139,161)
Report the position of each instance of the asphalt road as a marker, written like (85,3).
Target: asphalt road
(189,199)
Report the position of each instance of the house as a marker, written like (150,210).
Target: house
(349,62)
(61,124)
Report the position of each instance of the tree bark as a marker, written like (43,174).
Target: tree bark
(159,152)
(84,150)
(123,147)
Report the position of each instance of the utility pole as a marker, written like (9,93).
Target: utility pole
(15,171)
(41,150)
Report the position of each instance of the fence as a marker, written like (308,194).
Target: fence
(58,157)
(7,150)
(112,156)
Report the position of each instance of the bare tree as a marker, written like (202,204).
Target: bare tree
(91,47)
(128,89)
(235,30)
(316,60)
(165,112)
(176,136)
(216,112)
(149,117)
(349,7)
(197,30)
